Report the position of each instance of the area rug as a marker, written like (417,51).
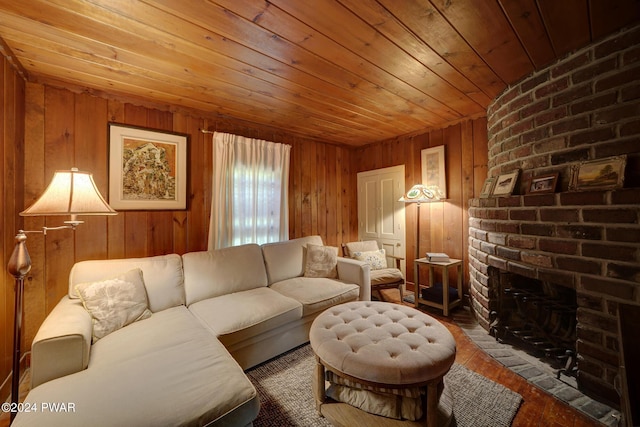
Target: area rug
(285,388)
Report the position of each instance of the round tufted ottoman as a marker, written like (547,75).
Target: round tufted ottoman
(383,345)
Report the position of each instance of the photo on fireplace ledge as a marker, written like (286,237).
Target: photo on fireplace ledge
(543,184)
(505,184)
(599,174)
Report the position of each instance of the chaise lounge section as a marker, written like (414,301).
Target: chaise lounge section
(213,314)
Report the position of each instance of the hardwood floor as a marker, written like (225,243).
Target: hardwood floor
(538,408)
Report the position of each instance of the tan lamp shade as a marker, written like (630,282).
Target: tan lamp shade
(70,193)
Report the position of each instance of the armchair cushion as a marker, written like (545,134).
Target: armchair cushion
(386,276)
(376,259)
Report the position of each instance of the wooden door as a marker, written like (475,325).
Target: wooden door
(380,214)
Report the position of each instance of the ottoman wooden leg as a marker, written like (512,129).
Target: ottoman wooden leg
(432,404)
(318,385)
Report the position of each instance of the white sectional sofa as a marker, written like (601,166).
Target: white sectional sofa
(213,315)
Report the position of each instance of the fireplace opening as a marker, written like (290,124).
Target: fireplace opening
(537,317)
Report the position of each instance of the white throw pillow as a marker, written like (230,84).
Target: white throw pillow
(321,261)
(376,259)
(115,303)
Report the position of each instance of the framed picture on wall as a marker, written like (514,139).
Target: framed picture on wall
(487,188)
(598,174)
(147,169)
(543,184)
(505,184)
(434,174)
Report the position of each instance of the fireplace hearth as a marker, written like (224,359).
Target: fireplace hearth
(536,316)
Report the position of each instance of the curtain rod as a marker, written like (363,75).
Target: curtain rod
(205,131)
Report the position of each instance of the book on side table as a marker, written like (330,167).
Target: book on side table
(437,257)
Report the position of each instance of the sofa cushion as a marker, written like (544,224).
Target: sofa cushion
(165,370)
(162,275)
(317,294)
(321,261)
(114,303)
(285,260)
(223,271)
(246,314)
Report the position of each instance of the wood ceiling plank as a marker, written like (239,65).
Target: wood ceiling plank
(608,16)
(430,26)
(567,23)
(360,93)
(485,28)
(398,33)
(122,53)
(286,52)
(525,18)
(410,79)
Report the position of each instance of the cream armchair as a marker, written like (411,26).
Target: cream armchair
(383,275)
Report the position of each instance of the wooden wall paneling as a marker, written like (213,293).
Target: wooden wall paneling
(179,218)
(91,156)
(305,189)
(5,244)
(313,189)
(160,223)
(59,154)
(331,197)
(454,224)
(35,306)
(116,223)
(348,204)
(136,222)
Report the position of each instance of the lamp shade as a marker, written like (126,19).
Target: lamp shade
(70,193)
(421,193)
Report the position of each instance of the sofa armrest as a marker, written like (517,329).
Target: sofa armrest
(357,272)
(62,344)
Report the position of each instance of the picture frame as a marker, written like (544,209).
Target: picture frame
(487,188)
(601,174)
(505,184)
(147,168)
(543,184)
(434,173)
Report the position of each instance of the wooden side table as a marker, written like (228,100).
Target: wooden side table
(446,304)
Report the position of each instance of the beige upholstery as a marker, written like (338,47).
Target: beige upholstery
(386,278)
(383,343)
(386,357)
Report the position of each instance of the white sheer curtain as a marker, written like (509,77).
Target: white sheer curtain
(250,191)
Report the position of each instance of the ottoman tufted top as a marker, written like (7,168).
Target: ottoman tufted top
(383,343)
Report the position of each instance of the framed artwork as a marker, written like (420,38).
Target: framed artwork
(543,184)
(487,188)
(147,169)
(434,173)
(505,184)
(598,174)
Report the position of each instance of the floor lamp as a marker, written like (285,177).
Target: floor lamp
(420,194)
(70,193)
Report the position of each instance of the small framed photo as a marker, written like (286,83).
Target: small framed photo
(543,184)
(598,174)
(434,174)
(505,184)
(147,169)
(487,188)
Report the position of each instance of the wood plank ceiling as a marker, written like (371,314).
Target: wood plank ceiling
(347,71)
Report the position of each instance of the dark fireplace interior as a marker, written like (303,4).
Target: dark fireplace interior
(536,316)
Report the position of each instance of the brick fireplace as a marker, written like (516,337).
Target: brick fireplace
(583,107)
